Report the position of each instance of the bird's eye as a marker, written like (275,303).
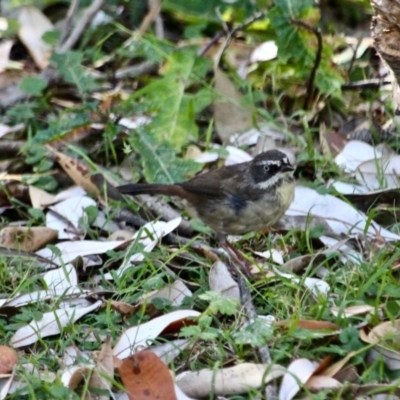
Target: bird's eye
(266,168)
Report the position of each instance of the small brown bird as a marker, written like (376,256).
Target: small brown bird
(235,199)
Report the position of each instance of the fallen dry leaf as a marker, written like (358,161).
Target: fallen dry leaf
(338,366)
(310,325)
(228,381)
(221,280)
(77,171)
(229,115)
(50,324)
(26,239)
(385,337)
(299,372)
(103,373)
(140,335)
(32,25)
(40,198)
(8,359)
(74,375)
(146,377)
(5,385)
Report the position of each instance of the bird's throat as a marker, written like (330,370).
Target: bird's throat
(281,178)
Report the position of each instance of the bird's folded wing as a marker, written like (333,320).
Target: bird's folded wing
(212,191)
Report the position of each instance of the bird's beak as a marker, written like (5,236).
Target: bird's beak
(287,168)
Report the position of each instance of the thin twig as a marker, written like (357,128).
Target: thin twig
(231,33)
(354,57)
(374,83)
(240,27)
(317,62)
(81,25)
(136,70)
(211,42)
(73,7)
(154,11)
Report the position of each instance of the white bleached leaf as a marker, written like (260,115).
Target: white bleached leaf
(352,310)
(71,212)
(3,24)
(227,381)
(50,324)
(101,18)
(180,395)
(319,383)
(38,296)
(61,278)
(236,156)
(74,191)
(264,52)
(273,255)
(134,122)
(32,25)
(70,250)
(72,376)
(354,153)
(299,371)
(379,173)
(316,286)
(122,395)
(72,354)
(6,129)
(347,252)
(175,293)
(5,385)
(5,48)
(250,136)
(103,222)
(140,335)
(341,216)
(359,48)
(221,280)
(348,188)
(385,338)
(149,235)
(168,351)
(206,157)
(40,198)
(159,229)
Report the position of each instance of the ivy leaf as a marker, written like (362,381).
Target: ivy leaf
(159,161)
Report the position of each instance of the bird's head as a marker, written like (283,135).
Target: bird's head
(270,168)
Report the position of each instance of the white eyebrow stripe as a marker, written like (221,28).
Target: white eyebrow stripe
(271,162)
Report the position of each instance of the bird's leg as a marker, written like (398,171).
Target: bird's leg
(235,256)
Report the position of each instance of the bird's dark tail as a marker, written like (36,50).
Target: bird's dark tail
(145,188)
